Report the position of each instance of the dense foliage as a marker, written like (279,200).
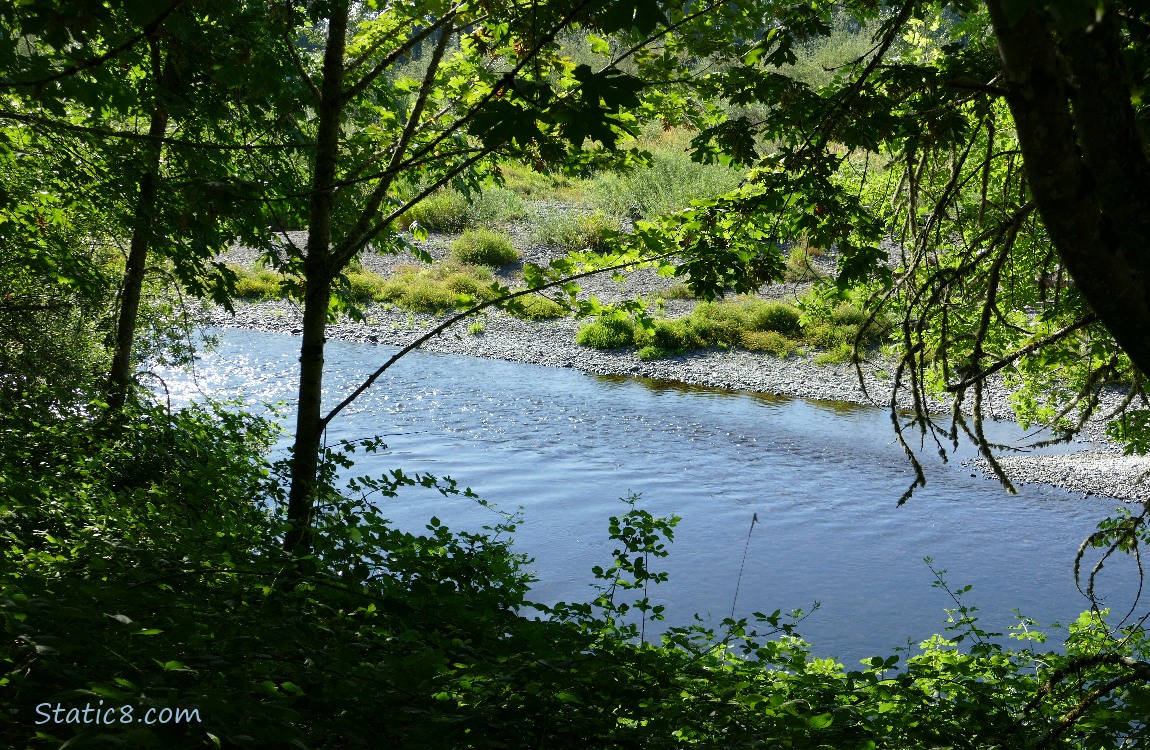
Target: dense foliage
(156,559)
(146,571)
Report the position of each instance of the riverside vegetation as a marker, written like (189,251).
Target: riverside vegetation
(584,214)
(157,558)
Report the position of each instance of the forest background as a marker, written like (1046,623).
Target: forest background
(157,558)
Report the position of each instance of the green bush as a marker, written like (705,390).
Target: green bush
(772,342)
(261,284)
(442,211)
(607,333)
(484,247)
(776,316)
(668,184)
(495,208)
(575,230)
(535,306)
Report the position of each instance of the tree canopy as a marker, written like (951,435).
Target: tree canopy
(979,172)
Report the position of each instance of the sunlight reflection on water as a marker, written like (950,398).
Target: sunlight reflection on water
(823,478)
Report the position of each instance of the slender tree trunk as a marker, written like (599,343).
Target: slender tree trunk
(143,226)
(319,272)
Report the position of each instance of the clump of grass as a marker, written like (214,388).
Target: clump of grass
(573,231)
(496,207)
(477,328)
(678,291)
(534,184)
(535,306)
(484,247)
(442,211)
(834,326)
(259,284)
(437,289)
(775,316)
(771,342)
(748,322)
(799,266)
(669,183)
(365,284)
(608,332)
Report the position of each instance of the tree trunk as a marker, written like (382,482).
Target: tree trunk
(143,227)
(1085,162)
(319,273)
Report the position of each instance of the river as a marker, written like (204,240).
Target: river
(822,477)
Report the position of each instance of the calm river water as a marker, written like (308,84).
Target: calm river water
(823,478)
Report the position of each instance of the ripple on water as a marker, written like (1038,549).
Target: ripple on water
(823,478)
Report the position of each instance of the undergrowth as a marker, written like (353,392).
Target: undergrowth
(142,569)
(747,322)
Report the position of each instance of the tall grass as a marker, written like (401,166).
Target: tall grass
(668,184)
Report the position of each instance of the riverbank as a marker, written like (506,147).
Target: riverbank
(1098,468)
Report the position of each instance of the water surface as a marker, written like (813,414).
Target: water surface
(822,477)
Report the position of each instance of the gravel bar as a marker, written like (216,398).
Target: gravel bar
(1100,470)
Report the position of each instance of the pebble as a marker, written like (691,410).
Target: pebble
(1100,471)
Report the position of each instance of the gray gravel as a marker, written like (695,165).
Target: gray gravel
(1099,470)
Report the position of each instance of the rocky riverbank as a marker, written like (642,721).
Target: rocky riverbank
(1100,469)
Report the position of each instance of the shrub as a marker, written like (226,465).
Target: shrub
(573,231)
(261,284)
(443,211)
(607,333)
(484,247)
(776,316)
(365,284)
(799,266)
(772,342)
(497,207)
(535,306)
